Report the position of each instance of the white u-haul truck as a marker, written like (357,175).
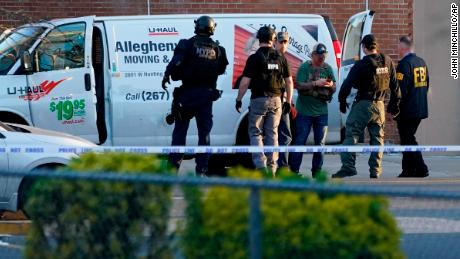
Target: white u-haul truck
(100,77)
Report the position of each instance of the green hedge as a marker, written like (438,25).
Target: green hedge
(95,219)
(295,225)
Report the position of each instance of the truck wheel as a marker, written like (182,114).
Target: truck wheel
(217,165)
(242,139)
(24,194)
(27,184)
(342,134)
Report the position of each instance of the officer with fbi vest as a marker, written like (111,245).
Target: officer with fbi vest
(412,75)
(373,77)
(197,62)
(264,73)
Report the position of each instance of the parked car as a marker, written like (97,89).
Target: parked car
(13,189)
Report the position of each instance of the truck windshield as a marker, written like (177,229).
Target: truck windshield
(14,44)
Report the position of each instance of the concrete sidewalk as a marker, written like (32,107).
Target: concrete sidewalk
(441,167)
(444,171)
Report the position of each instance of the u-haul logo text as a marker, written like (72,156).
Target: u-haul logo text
(162,31)
(34,93)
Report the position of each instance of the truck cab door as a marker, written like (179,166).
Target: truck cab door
(62,86)
(358,26)
(13,85)
(3,168)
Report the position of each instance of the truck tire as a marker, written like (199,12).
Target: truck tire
(242,139)
(342,134)
(27,184)
(217,165)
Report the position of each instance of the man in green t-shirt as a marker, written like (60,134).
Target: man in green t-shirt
(315,84)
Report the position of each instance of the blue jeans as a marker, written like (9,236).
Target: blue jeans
(304,124)
(284,139)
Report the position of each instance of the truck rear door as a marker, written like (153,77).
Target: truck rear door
(358,26)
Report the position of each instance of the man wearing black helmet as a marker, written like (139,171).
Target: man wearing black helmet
(373,77)
(264,72)
(198,62)
(316,84)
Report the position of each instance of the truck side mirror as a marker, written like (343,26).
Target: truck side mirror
(26,62)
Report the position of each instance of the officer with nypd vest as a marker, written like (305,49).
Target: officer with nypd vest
(197,62)
(412,74)
(264,73)
(373,77)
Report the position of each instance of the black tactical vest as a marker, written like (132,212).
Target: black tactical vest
(202,62)
(269,82)
(375,79)
(381,74)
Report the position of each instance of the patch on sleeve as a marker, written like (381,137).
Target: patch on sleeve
(399,76)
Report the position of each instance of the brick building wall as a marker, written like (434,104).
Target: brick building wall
(393,17)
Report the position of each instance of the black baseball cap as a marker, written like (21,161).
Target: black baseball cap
(320,49)
(369,40)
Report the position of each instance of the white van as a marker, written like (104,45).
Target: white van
(100,77)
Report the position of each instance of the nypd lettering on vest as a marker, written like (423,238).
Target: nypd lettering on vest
(206,53)
(272,66)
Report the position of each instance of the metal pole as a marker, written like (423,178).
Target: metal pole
(148,7)
(367,5)
(255,245)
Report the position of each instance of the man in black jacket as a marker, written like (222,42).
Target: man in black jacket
(374,76)
(414,82)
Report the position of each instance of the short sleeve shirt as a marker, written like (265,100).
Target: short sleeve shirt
(308,105)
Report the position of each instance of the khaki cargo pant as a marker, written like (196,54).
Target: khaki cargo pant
(264,118)
(370,114)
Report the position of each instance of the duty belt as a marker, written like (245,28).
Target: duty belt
(265,94)
(370,96)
